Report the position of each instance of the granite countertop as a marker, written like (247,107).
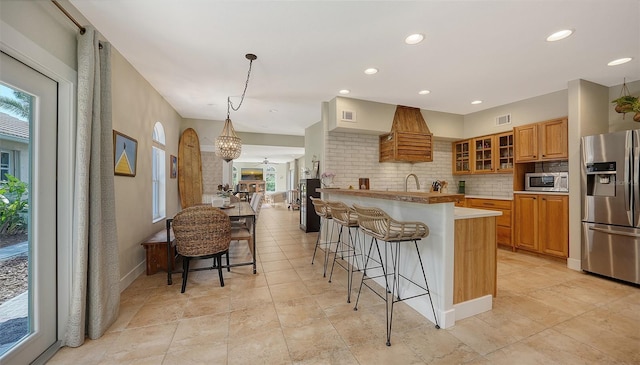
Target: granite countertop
(469,213)
(489,197)
(411,196)
(543,192)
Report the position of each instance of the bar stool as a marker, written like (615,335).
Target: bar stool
(324,213)
(346,217)
(380,226)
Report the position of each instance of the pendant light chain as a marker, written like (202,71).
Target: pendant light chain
(250,57)
(228,145)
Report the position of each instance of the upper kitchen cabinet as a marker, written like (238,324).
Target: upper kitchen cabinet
(554,140)
(462,157)
(504,146)
(483,156)
(544,141)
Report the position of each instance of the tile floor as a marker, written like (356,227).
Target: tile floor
(289,314)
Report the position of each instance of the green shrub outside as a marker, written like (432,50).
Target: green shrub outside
(13,207)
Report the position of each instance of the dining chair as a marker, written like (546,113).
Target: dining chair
(244,232)
(202,232)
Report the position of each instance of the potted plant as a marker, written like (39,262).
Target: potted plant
(636,108)
(624,104)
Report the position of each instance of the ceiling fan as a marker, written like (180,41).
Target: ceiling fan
(266,163)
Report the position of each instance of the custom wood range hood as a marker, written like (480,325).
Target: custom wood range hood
(409,140)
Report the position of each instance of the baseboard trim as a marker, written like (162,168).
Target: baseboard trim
(574,264)
(132,275)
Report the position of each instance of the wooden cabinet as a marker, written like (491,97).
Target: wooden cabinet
(504,152)
(526,140)
(526,221)
(474,259)
(542,223)
(483,160)
(554,136)
(251,186)
(461,157)
(542,141)
(503,222)
(482,155)
(554,225)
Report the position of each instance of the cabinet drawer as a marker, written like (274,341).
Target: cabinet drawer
(505,219)
(503,235)
(489,203)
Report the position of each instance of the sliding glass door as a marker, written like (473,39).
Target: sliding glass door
(28,281)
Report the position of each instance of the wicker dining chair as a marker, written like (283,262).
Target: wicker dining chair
(202,232)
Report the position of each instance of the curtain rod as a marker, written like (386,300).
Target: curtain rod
(80,27)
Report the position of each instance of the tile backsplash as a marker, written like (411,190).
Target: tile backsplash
(351,156)
(498,185)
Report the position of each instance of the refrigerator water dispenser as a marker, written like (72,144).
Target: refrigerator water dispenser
(601,179)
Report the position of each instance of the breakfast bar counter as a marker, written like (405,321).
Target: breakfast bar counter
(458,254)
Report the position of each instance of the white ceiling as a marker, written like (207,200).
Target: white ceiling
(193,52)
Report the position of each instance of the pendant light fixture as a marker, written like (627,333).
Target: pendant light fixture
(228,144)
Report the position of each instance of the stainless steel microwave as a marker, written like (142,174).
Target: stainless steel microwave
(547,181)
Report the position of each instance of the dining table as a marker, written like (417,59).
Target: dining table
(235,211)
(243,210)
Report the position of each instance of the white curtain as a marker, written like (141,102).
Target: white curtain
(95,296)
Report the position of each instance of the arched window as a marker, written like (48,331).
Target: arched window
(158,174)
(270,178)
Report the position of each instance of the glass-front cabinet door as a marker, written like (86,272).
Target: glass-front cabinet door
(461,157)
(483,154)
(505,152)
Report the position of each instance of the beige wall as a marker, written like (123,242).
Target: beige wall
(314,146)
(376,118)
(136,109)
(532,110)
(54,32)
(616,121)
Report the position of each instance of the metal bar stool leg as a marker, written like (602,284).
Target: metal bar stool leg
(364,273)
(424,275)
(318,240)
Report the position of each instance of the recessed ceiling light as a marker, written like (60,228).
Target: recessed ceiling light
(273,110)
(619,61)
(423,92)
(344,91)
(371,71)
(561,34)
(414,38)
(476,102)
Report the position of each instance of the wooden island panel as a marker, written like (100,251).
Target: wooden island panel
(474,268)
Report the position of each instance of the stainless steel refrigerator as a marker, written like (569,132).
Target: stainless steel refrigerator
(611,205)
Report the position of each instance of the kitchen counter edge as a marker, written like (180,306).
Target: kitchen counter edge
(411,196)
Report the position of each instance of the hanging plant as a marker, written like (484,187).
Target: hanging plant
(624,104)
(636,108)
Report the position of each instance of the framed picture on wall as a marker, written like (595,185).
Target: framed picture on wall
(125,154)
(315,171)
(174,167)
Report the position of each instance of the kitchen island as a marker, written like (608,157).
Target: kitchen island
(459,254)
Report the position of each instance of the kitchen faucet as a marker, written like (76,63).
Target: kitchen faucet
(406,179)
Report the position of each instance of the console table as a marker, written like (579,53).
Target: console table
(157,254)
